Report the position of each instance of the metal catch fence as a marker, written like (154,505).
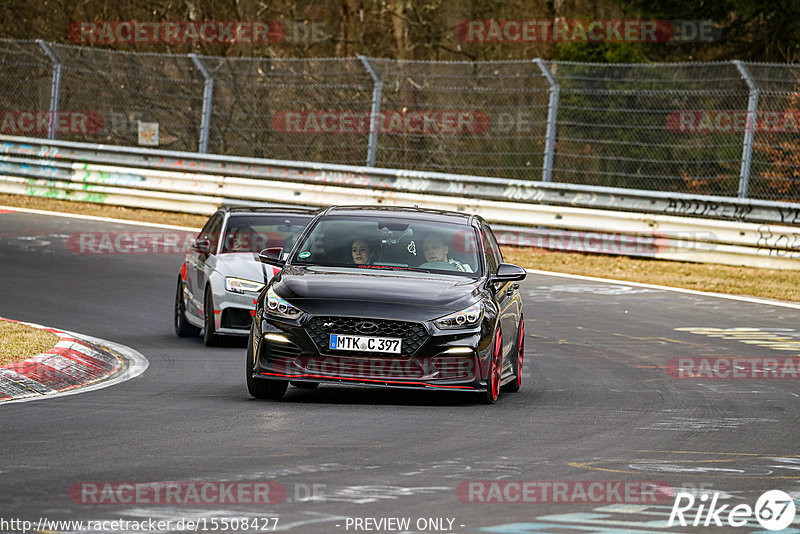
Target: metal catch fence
(726,128)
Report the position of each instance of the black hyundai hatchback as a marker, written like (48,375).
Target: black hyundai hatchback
(389,297)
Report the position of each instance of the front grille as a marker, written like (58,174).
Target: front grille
(414,335)
(239,318)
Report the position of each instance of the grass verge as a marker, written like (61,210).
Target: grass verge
(765,283)
(19,342)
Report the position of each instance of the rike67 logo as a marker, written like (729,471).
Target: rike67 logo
(774,510)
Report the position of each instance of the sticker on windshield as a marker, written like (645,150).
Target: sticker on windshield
(304,254)
(412,248)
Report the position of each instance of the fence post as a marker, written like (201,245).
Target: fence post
(752,119)
(55,89)
(552,114)
(377,91)
(208,93)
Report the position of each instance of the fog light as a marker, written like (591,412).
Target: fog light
(277,338)
(458,350)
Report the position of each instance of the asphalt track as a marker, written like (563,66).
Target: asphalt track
(596,404)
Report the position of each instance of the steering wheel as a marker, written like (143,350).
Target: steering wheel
(441,265)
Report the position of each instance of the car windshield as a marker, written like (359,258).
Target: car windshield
(388,243)
(255,232)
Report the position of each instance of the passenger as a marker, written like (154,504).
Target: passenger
(362,252)
(434,250)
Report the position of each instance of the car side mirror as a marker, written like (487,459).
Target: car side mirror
(202,246)
(506,272)
(272,256)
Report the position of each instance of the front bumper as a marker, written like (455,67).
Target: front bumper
(431,358)
(234,312)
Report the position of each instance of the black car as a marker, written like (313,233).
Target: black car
(389,297)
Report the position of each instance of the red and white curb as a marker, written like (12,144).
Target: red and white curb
(76,364)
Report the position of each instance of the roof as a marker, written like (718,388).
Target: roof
(268,210)
(401,212)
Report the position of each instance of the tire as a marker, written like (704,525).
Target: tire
(210,337)
(516,384)
(495,369)
(261,388)
(305,385)
(182,327)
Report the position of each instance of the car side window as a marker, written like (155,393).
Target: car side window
(495,246)
(493,258)
(211,231)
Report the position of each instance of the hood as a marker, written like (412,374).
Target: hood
(378,293)
(244,265)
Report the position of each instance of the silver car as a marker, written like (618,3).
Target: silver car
(221,276)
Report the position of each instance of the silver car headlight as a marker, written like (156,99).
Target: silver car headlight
(240,285)
(278,307)
(465,318)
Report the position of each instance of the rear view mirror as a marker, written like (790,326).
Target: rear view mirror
(272,256)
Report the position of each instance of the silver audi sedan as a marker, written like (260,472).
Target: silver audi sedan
(221,276)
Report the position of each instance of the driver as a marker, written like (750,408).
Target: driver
(434,249)
(243,240)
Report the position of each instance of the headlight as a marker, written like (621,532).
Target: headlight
(278,307)
(239,285)
(465,318)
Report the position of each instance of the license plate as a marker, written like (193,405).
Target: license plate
(365,343)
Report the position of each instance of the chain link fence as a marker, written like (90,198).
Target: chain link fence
(620,125)
(726,128)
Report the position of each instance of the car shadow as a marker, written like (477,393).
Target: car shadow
(334,394)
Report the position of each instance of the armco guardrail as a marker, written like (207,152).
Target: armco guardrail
(731,231)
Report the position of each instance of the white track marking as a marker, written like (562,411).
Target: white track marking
(753,300)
